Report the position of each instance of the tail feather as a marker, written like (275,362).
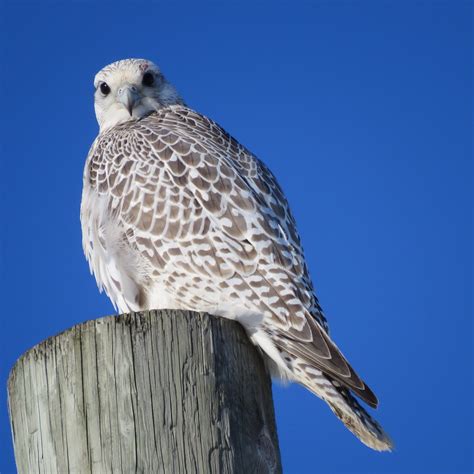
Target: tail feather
(349,411)
(360,423)
(290,361)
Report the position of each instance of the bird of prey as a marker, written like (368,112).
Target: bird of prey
(177,214)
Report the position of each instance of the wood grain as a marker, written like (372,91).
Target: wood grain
(152,392)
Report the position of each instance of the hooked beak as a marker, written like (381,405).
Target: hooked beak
(128,96)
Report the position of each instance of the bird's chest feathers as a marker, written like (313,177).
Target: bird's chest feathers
(119,268)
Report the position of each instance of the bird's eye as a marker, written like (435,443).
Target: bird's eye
(104,88)
(148,79)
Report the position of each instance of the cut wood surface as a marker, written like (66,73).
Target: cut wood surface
(152,392)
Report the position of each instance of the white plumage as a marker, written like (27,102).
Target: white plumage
(177,214)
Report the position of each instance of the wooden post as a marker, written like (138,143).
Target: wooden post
(155,392)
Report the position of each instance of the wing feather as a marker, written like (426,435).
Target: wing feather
(193,184)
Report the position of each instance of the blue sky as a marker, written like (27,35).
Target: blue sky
(363,111)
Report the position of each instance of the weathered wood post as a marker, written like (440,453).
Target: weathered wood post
(154,392)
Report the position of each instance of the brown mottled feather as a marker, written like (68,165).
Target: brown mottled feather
(192,182)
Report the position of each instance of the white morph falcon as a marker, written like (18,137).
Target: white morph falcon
(177,214)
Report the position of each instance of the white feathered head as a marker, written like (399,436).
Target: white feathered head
(130,89)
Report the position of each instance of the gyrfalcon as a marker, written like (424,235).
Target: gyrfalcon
(177,214)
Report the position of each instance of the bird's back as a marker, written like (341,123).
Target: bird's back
(177,214)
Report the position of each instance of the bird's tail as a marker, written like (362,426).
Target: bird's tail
(350,412)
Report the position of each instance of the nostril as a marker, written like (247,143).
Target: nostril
(129,88)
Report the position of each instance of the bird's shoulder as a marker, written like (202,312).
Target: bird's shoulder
(175,129)
(179,136)
(168,124)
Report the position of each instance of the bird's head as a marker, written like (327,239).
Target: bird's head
(130,90)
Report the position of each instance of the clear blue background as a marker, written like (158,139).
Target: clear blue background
(361,109)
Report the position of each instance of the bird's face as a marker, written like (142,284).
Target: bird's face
(130,90)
